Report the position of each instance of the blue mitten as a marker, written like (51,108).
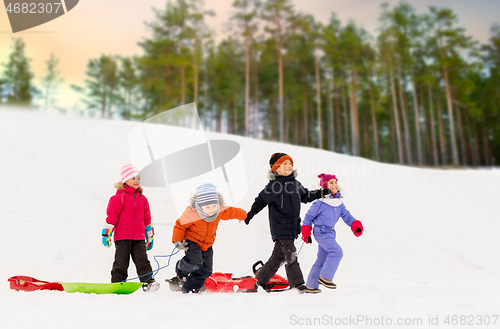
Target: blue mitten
(107,234)
(150,232)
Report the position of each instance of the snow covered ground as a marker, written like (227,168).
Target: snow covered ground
(428,256)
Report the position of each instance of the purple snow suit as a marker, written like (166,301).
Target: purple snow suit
(324,214)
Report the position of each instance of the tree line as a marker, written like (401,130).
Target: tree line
(16,81)
(420,92)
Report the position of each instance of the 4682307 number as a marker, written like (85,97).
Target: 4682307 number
(471,320)
(33,8)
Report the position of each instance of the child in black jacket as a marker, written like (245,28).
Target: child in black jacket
(283,194)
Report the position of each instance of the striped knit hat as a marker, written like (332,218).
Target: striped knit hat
(128,171)
(207,194)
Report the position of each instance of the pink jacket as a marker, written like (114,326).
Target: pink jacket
(128,210)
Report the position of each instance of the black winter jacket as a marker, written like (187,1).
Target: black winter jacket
(283,195)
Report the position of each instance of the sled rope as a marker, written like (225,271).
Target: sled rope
(175,251)
(82,263)
(315,216)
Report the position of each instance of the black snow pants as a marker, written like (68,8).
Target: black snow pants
(284,252)
(136,249)
(196,266)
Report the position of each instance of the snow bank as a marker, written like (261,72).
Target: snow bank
(429,249)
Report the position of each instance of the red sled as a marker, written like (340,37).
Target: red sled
(27,283)
(224,282)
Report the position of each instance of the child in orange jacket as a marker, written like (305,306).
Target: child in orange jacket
(195,231)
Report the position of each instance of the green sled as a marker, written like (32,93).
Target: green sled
(121,288)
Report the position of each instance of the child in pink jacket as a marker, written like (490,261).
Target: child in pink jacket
(129,220)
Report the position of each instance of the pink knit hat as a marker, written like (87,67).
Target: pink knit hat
(325,178)
(128,171)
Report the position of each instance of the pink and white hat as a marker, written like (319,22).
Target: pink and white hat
(128,171)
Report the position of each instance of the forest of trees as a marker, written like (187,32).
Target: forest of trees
(421,92)
(16,81)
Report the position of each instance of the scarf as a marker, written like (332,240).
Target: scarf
(204,216)
(332,201)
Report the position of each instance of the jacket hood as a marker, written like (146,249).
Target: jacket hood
(121,185)
(127,189)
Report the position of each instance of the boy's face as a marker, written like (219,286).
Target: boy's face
(133,182)
(332,185)
(209,209)
(285,169)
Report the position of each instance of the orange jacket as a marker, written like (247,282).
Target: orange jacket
(190,226)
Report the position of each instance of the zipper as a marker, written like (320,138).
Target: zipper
(135,211)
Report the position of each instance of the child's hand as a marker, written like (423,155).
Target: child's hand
(325,192)
(107,234)
(357,228)
(250,215)
(181,245)
(150,232)
(306,233)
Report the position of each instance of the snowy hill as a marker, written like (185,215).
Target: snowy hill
(430,246)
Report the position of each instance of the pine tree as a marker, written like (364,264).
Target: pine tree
(246,16)
(448,41)
(51,80)
(198,31)
(3,95)
(17,75)
(278,14)
(408,31)
(128,82)
(102,84)
(351,44)
(333,60)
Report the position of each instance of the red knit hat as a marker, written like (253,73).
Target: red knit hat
(325,178)
(277,159)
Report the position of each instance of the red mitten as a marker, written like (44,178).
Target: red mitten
(357,228)
(306,233)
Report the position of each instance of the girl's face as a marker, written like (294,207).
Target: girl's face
(209,209)
(285,169)
(332,185)
(134,182)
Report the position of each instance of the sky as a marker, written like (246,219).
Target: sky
(114,27)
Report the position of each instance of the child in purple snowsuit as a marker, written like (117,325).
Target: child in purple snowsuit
(324,214)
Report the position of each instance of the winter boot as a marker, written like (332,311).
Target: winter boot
(176,283)
(329,285)
(150,286)
(312,290)
(302,289)
(264,287)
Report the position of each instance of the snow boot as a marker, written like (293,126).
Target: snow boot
(265,287)
(303,289)
(312,290)
(176,283)
(150,286)
(329,285)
